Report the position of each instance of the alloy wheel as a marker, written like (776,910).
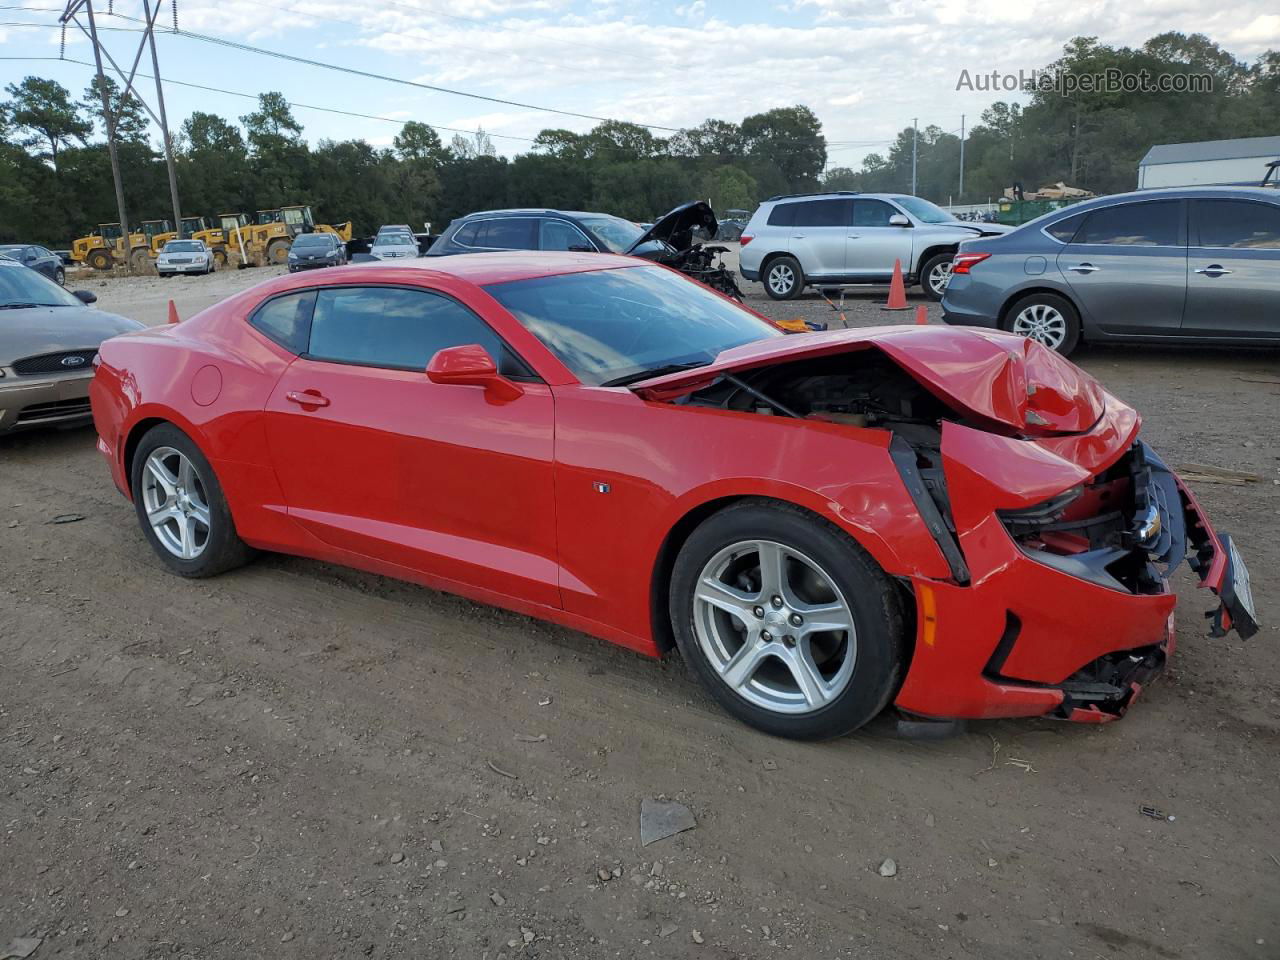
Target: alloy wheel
(781,279)
(939,277)
(1042,323)
(775,627)
(176,503)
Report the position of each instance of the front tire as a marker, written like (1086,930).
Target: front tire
(181,508)
(278,252)
(1048,319)
(786,621)
(934,275)
(783,279)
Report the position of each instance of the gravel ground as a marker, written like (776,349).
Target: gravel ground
(297,760)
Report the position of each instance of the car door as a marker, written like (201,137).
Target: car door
(874,245)
(1127,267)
(818,236)
(375,459)
(1233,270)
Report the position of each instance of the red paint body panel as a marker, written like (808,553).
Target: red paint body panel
(496,495)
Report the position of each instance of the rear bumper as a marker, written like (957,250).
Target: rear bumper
(30,402)
(1075,636)
(749,274)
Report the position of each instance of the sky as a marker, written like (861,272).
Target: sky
(867,69)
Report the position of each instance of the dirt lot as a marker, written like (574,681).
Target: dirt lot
(296,760)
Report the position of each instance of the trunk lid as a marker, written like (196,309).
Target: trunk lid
(1006,381)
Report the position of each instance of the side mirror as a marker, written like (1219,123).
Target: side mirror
(470,365)
(85,296)
(899,220)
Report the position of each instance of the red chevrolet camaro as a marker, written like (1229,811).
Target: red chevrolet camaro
(955,521)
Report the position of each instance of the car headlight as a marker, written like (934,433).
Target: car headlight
(292,255)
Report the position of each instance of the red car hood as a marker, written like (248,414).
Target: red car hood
(1006,380)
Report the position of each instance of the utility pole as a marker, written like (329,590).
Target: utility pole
(164,120)
(961,157)
(110,120)
(915,139)
(69,15)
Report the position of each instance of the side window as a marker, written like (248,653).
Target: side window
(398,328)
(1064,230)
(560,235)
(1150,224)
(783,215)
(824,213)
(511,233)
(286,320)
(1239,224)
(467,234)
(872,213)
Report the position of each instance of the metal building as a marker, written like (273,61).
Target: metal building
(1208,163)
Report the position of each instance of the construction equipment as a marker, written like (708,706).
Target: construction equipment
(106,247)
(157,233)
(198,228)
(267,240)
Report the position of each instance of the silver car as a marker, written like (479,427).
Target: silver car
(184,256)
(833,239)
(1199,264)
(393,246)
(48,339)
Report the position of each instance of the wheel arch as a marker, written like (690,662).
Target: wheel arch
(932,251)
(1003,316)
(679,532)
(773,255)
(142,425)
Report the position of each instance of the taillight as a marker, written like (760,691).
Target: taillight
(964,262)
(745,239)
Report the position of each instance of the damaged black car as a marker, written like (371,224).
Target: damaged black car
(670,241)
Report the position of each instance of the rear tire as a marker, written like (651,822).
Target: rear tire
(181,508)
(783,278)
(1046,318)
(771,663)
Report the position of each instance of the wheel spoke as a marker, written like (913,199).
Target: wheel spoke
(742,666)
(162,515)
(187,530)
(824,618)
(773,574)
(725,597)
(813,688)
(168,482)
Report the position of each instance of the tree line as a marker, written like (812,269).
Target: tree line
(55,175)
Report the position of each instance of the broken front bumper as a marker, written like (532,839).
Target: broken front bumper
(1075,633)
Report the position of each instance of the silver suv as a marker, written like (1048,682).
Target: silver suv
(832,239)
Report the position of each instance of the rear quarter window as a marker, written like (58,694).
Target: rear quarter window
(783,215)
(286,320)
(1065,230)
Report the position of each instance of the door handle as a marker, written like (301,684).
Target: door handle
(854,236)
(797,236)
(306,398)
(1213,270)
(1084,268)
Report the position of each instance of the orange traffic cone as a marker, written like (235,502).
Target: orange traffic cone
(922,316)
(173,312)
(897,290)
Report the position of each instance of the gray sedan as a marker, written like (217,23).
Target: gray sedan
(48,339)
(1195,264)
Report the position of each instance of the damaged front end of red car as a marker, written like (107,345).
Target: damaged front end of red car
(1061,529)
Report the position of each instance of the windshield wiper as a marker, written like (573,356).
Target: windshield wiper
(654,372)
(23,306)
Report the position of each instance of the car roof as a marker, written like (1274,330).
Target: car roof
(1167,193)
(537,212)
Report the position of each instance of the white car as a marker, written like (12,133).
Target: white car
(393,246)
(184,256)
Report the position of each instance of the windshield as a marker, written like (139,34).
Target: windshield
(612,324)
(183,246)
(21,287)
(395,240)
(924,211)
(614,232)
(313,240)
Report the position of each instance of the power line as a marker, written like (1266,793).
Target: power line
(292,58)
